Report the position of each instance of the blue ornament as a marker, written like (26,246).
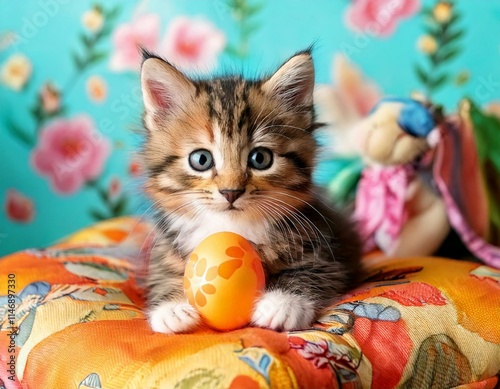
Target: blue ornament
(414,119)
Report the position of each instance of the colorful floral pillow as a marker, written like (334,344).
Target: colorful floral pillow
(71,317)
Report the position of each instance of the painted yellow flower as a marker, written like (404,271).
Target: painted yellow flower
(16,71)
(93,19)
(97,88)
(442,11)
(427,44)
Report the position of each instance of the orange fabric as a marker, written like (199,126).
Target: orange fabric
(416,322)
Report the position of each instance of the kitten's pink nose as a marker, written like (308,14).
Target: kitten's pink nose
(232,195)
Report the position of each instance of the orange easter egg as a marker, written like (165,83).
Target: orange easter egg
(223,279)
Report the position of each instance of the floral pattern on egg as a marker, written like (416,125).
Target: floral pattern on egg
(223,277)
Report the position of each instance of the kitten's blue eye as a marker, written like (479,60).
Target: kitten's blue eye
(201,160)
(260,158)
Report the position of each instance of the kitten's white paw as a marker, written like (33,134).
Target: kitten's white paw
(282,311)
(172,317)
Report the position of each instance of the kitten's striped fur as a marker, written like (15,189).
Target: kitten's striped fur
(310,252)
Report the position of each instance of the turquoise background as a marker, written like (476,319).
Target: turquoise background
(284,28)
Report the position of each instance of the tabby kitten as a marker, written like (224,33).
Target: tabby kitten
(228,154)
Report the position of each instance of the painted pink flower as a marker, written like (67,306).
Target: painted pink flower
(70,152)
(379,17)
(142,31)
(193,43)
(18,207)
(134,168)
(115,187)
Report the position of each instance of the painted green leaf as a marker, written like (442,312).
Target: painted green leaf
(421,74)
(103,194)
(106,30)
(79,62)
(97,56)
(231,50)
(453,36)
(438,81)
(450,54)
(87,41)
(434,58)
(113,13)
(454,18)
(427,11)
(432,30)
(247,29)
(21,135)
(37,112)
(254,9)
(97,215)
(119,208)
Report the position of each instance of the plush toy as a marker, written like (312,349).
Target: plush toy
(396,210)
(404,140)
(223,279)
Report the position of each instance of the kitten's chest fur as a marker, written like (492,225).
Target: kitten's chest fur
(187,234)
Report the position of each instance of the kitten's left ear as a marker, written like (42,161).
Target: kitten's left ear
(293,82)
(164,87)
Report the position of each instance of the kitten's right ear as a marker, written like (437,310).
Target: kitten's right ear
(293,82)
(164,88)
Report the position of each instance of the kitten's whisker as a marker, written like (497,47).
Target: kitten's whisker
(277,208)
(261,129)
(280,225)
(306,219)
(152,230)
(185,193)
(325,201)
(263,123)
(327,221)
(297,218)
(295,257)
(198,210)
(164,216)
(258,116)
(256,122)
(289,126)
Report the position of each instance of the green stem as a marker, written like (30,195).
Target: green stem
(244,13)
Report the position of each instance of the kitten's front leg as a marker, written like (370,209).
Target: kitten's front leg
(169,312)
(173,316)
(283,310)
(294,296)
